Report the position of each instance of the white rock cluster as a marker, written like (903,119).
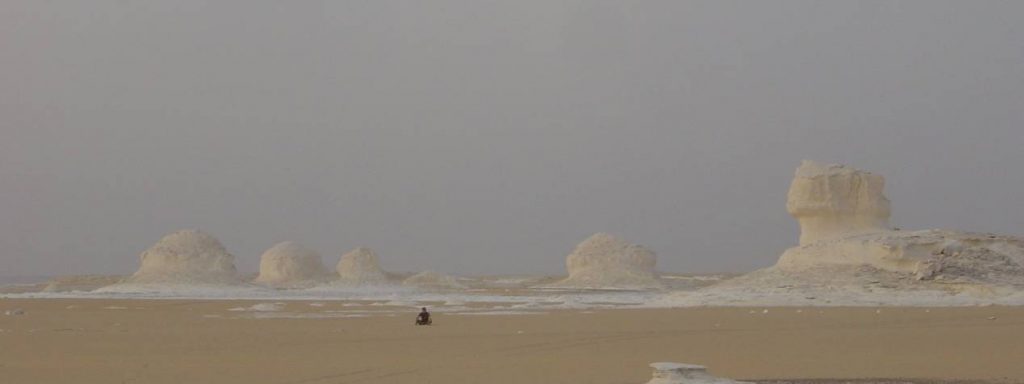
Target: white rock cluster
(186,257)
(604,261)
(361,266)
(290,265)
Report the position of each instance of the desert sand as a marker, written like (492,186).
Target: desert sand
(222,341)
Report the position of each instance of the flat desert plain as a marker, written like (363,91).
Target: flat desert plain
(178,341)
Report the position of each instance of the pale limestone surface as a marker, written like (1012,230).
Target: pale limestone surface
(361,266)
(290,265)
(433,280)
(80,283)
(186,257)
(925,255)
(832,201)
(604,261)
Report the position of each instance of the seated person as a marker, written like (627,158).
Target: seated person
(423,318)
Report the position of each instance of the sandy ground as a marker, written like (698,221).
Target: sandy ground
(164,341)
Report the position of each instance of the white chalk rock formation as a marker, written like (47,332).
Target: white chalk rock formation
(678,373)
(186,257)
(832,201)
(433,280)
(604,261)
(847,257)
(843,216)
(361,266)
(290,265)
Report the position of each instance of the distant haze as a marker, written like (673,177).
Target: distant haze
(490,137)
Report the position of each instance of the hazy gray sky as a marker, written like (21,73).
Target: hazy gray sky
(492,136)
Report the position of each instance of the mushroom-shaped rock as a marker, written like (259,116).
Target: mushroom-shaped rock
(831,201)
(604,261)
(289,264)
(843,216)
(679,373)
(433,280)
(186,257)
(361,266)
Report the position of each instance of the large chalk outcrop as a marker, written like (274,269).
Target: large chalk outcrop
(847,256)
(832,201)
(923,255)
(604,261)
(186,257)
(290,265)
(843,217)
(361,266)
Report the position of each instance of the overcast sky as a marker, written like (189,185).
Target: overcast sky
(489,137)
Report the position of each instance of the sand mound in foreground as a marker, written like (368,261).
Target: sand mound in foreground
(290,265)
(186,257)
(359,267)
(604,261)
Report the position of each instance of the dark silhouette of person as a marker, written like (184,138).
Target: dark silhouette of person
(423,318)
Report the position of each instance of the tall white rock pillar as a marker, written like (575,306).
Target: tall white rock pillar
(832,201)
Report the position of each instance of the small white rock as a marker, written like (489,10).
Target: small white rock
(677,373)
